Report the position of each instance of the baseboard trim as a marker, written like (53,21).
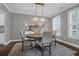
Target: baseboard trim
(12,41)
(69,45)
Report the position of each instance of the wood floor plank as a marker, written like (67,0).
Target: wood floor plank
(5,49)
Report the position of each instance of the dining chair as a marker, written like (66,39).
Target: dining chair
(54,37)
(46,41)
(25,41)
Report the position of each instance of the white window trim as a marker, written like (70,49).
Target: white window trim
(77,37)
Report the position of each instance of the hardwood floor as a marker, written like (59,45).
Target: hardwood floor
(5,49)
(71,47)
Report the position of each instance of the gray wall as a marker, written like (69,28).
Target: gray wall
(6,21)
(18,21)
(64,24)
(17,24)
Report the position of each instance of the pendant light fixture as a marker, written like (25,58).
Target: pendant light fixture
(42,19)
(36,17)
(38,21)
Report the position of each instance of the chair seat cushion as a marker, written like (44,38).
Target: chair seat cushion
(44,44)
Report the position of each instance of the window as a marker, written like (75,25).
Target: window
(56,24)
(74,23)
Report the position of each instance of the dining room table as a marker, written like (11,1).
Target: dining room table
(37,36)
(34,35)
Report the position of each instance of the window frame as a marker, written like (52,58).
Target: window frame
(69,33)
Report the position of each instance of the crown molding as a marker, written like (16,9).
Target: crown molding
(18,12)
(7,7)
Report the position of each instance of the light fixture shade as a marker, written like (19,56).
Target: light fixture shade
(42,20)
(38,22)
(35,19)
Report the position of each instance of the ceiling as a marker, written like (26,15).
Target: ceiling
(49,9)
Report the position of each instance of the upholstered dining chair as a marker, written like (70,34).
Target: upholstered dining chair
(54,37)
(25,41)
(46,41)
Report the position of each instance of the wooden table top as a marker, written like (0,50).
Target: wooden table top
(33,35)
(36,35)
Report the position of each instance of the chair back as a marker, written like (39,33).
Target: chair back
(54,32)
(47,37)
(22,35)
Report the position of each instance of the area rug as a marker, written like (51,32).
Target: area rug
(57,50)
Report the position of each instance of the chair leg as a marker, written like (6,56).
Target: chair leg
(22,50)
(50,50)
(35,43)
(42,50)
(55,41)
(22,47)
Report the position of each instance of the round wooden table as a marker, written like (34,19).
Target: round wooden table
(35,37)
